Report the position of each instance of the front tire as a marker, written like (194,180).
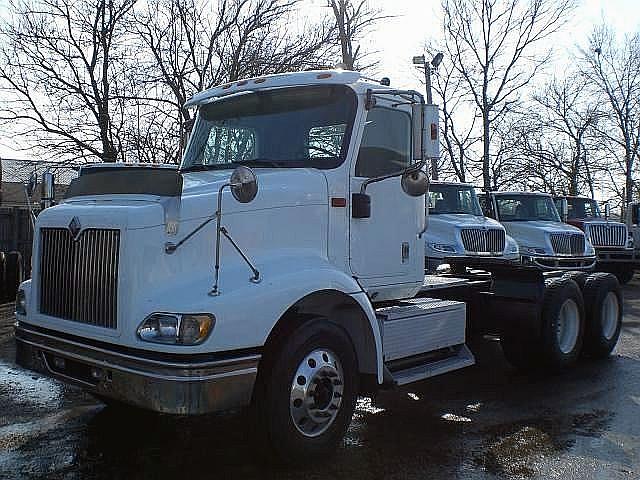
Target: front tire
(624,275)
(306,392)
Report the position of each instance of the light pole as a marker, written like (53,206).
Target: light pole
(421,60)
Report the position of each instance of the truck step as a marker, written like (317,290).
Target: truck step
(460,359)
(421,325)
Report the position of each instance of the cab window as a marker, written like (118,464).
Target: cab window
(386,143)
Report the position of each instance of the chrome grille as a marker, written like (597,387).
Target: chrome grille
(567,243)
(478,240)
(607,235)
(79,278)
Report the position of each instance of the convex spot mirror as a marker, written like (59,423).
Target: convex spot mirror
(244,184)
(415,183)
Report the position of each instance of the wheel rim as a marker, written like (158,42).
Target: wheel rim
(316,392)
(568,326)
(610,314)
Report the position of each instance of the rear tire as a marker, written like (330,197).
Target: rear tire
(624,275)
(562,324)
(306,392)
(562,331)
(603,314)
(579,277)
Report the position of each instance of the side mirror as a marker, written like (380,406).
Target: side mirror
(30,186)
(415,183)
(564,210)
(635,211)
(607,210)
(417,132)
(244,184)
(47,193)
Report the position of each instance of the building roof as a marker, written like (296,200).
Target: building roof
(12,195)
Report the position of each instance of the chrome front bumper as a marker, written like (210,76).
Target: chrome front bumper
(560,263)
(182,384)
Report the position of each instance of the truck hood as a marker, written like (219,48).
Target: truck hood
(536,234)
(277,188)
(463,220)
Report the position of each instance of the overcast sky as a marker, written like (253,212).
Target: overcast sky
(397,39)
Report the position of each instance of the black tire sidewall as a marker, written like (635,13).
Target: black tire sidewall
(557,292)
(596,289)
(274,406)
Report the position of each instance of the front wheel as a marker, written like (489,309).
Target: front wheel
(306,392)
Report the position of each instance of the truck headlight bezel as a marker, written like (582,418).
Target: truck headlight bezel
(176,328)
(443,247)
(534,250)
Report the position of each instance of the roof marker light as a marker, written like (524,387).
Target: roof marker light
(242,82)
(228,85)
(260,80)
(322,76)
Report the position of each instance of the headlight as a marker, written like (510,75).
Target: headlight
(176,328)
(441,247)
(534,250)
(21,303)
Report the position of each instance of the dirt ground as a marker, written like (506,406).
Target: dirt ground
(487,421)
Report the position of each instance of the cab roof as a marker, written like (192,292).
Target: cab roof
(290,79)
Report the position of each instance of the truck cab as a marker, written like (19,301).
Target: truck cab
(458,228)
(612,241)
(543,239)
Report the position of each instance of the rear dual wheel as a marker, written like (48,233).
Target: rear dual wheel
(562,331)
(603,306)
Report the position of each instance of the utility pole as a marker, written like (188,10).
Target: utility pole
(421,60)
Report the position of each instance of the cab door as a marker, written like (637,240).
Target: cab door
(385,249)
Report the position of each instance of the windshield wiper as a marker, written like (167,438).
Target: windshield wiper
(261,162)
(200,167)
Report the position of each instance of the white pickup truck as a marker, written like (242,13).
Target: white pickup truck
(280,268)
(544,240)
(458,229)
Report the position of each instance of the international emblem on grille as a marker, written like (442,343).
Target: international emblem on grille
(74,227)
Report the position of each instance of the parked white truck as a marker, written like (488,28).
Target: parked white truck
(280,268)
(458,229)
(544,240)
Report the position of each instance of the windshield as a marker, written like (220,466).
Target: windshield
(582,208)
(286,127)
(526,208)
(453,199)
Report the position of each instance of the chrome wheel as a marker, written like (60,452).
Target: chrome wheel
(568,326)
(610,314)
(316,392)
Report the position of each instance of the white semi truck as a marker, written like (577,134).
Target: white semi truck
(612,241)
(459,230)
(280,268)
(534,222)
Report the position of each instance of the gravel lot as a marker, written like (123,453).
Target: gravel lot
(487,421)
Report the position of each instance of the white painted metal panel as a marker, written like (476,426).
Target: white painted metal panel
(422,325)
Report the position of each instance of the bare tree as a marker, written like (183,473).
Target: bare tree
(458,123)
(614,68)
(60,67)
(191,45)
(353,20)
(493,46)
(553,137)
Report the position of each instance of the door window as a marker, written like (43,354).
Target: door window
(386,143)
